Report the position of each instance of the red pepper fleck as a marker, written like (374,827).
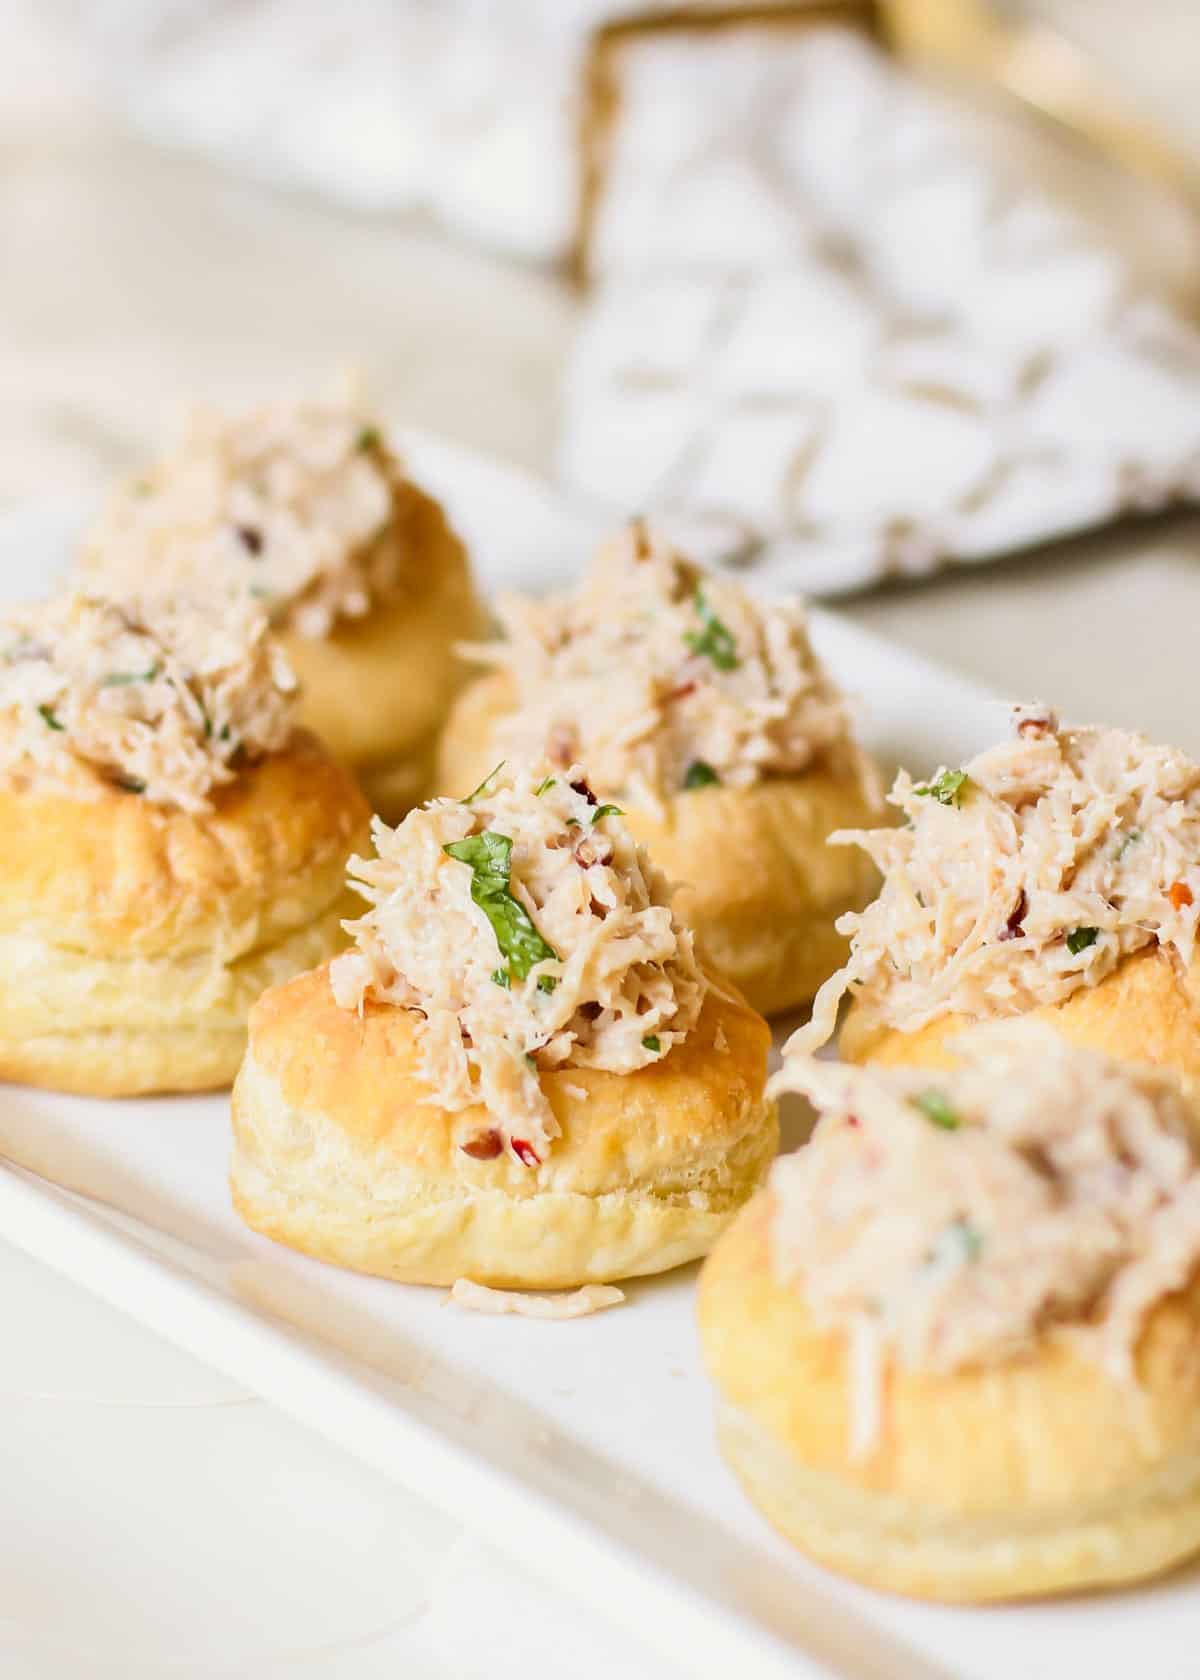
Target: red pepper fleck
(853,1120)
(641,539)
(484,1146)
(596,848)
(1012,928)
(582,788)
(526,1153)
(682,691)
(1180,894)
(250,539)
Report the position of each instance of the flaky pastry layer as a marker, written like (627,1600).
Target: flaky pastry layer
(108,1027)
(337,1153)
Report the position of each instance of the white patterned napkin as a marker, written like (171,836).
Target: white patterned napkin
(466,109)
(827,334)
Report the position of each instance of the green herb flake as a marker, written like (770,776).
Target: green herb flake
(48,718)
(487,780)
(970,1237)
(547,982)
(574,822)
(715,641)
(1080,938)
(1130,839)
(699,774)
(368,438)
(934,1105)
(544,786)
(129,784)
(960,1244)
(489,858)
(531,1062)
(652,1042)
(500,978)
(123,679)
(948,789)
(606,811)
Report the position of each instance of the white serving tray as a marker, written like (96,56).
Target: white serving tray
(584,1449)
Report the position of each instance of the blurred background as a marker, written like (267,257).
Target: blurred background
(841,292)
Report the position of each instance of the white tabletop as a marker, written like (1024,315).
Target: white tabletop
(157,1519)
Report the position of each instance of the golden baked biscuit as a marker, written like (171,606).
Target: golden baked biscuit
(518,1075)
(339,1152)
(152,888)
(366,584)
(660,681)
(1026,1470)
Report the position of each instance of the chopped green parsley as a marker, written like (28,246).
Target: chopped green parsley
(489,778)
(948,789)
(715,641)
(489,858)
(937,1110)
(700,775)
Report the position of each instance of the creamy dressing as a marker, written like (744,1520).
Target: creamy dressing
(1022,877)
(952,1219)
(165,699)
(287,502)
(554,947)
(661,677)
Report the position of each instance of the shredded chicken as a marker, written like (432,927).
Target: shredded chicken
(289,501)
(952,1219)
(1022,877)
(547,942)
(660,677)
(592,1298)
(164,698)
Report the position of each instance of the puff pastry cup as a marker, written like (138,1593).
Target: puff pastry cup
(710,721)
(1055,877)
(1034,1470)
(357,1141)
(367,585)
(135,933)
